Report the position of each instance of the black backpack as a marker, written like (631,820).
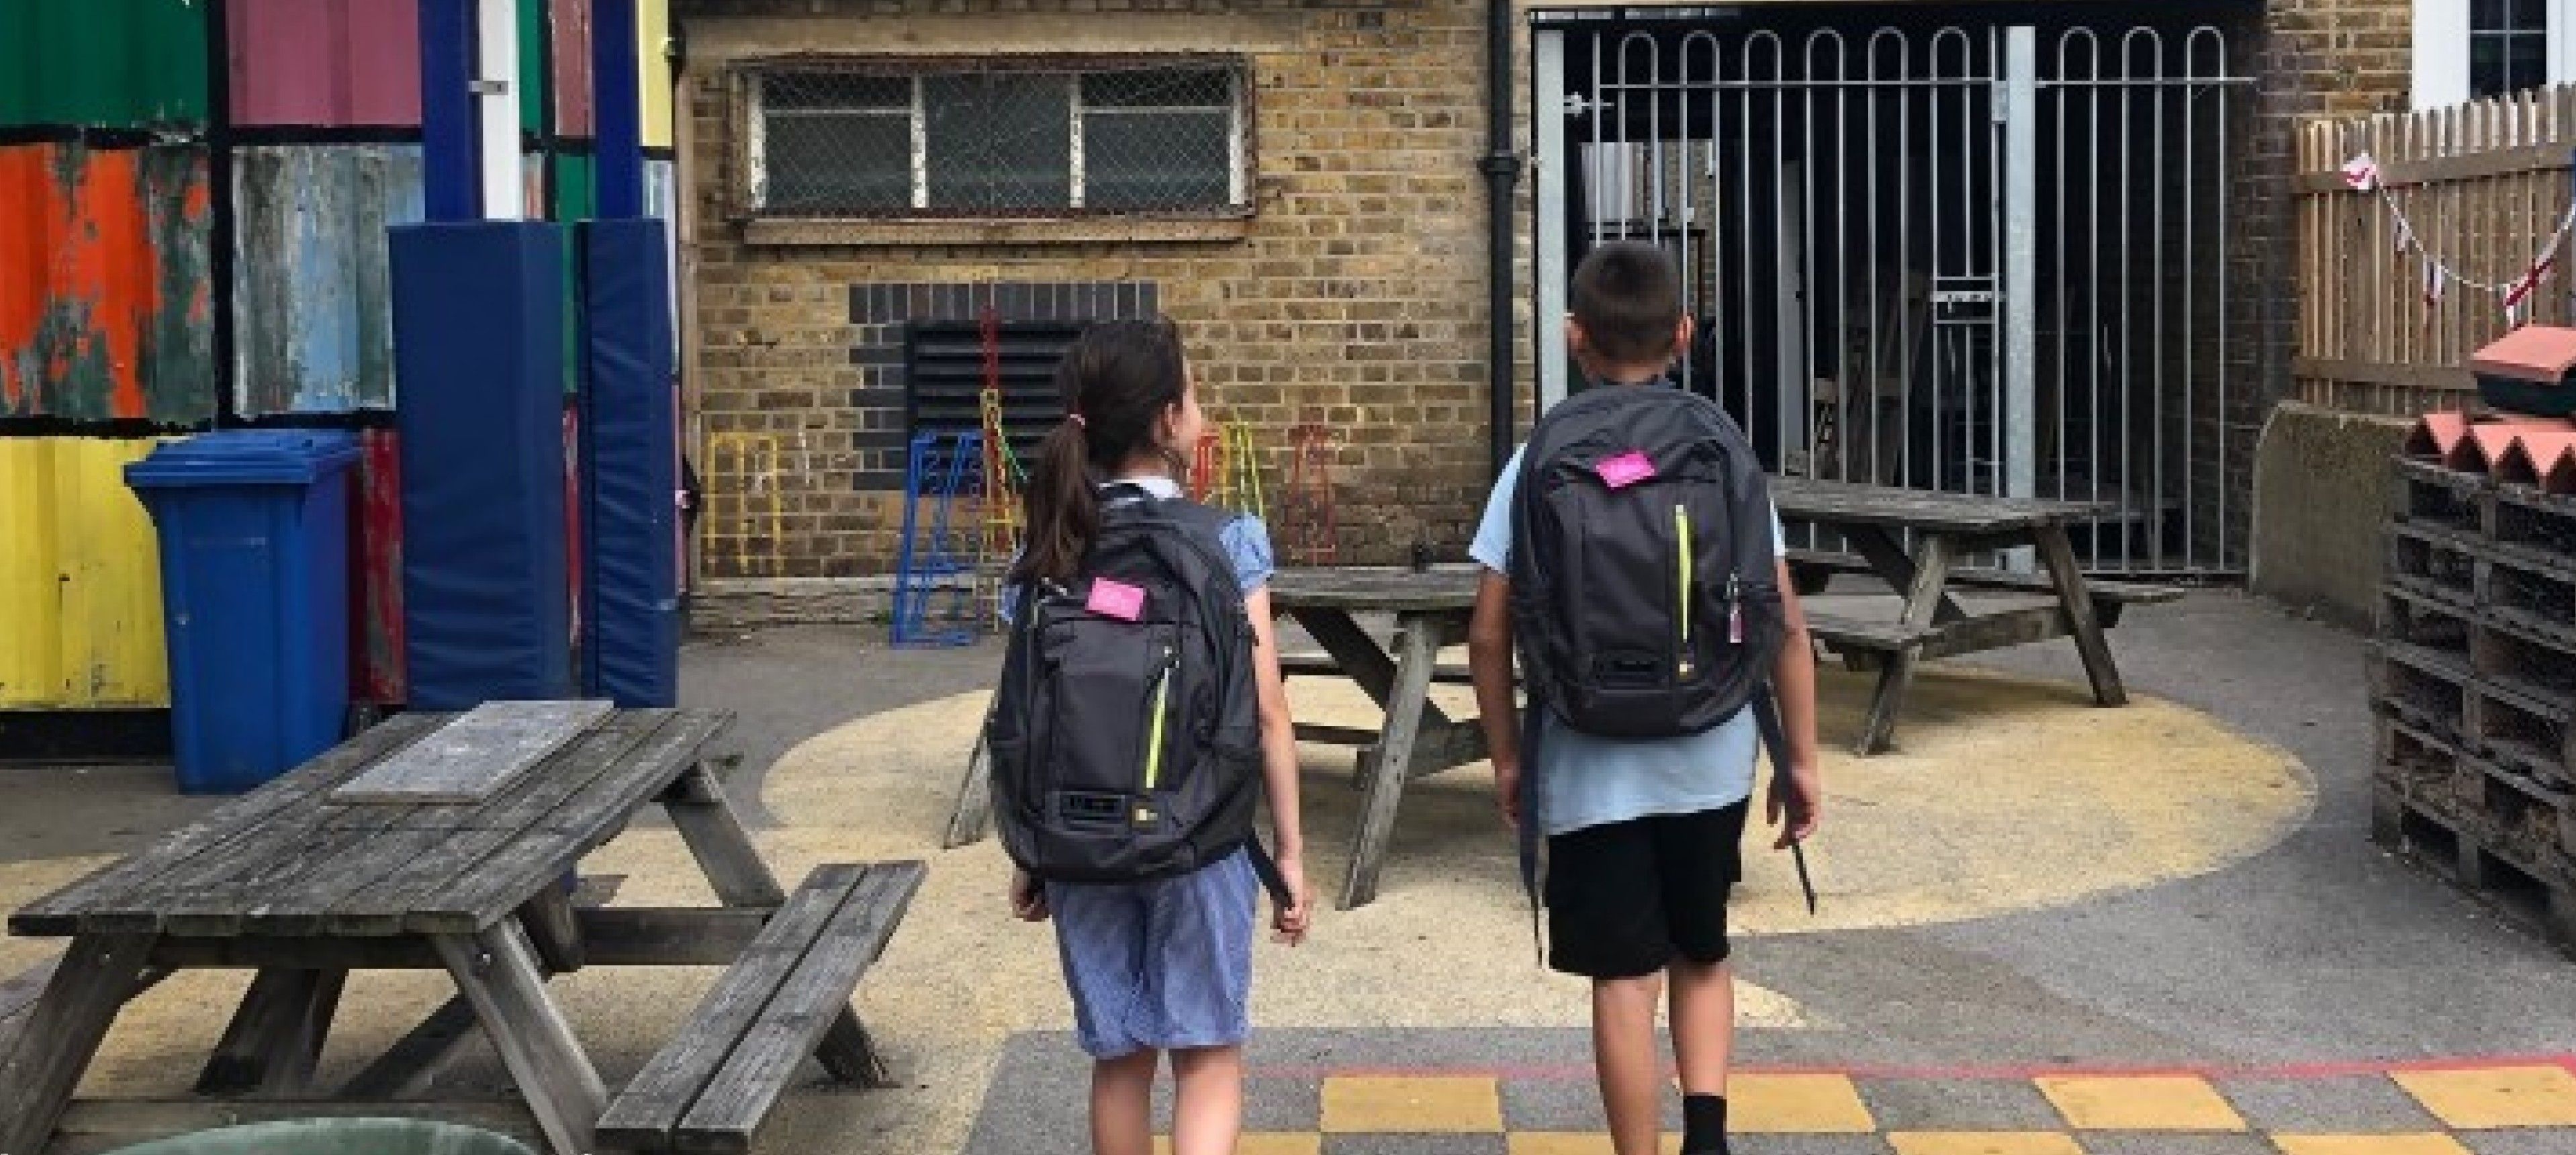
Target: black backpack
(1645,595)
(1125,738)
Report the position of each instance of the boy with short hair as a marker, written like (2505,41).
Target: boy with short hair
(1643,834)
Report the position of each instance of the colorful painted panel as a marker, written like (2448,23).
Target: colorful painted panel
(80,582)
(375,588)
(106,307)
(653,36)
(103,63)
(312,309)
(324,63)
(570,45)
(532,68)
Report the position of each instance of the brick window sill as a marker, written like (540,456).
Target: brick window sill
(798,231)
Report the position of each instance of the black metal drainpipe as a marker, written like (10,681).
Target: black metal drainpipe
(1502,169)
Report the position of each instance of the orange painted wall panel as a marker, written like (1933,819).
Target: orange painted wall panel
(106,297)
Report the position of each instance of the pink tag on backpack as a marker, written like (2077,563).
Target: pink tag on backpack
(1116,599)
(1625,470)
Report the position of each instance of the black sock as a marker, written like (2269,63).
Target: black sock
(1704,1125)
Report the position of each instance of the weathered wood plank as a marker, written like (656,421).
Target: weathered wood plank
(643,1115)
(1406,711)
(275,1039)
(740,1096)
(624,936)
(556,844)
(2058,555)
(1923,601)
(474,756)
(290,883)
(669,936)
(409,1068)
(1886,557)
(1865,633)
(497,973)
(972,817)
(1975,577)
(57,1038)
(717,840)
(1368,589)
(553,930)
(1324,735)
(60,913)
(494,868)
(1849,503)
(20,992)
(1323,666)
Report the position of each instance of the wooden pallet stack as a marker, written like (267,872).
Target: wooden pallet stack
(2474,669)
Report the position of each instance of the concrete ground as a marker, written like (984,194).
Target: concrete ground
(2027,890)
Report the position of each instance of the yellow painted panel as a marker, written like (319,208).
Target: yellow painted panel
(80,585)
(653,33)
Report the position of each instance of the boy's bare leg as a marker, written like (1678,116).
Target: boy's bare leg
(1207,1112)
(1703,1024)
(1122,1104)
(1623,1049)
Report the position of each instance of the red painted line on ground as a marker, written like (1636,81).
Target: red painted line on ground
(1542,1072)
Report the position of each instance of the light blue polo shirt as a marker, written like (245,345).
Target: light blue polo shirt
(1588,780)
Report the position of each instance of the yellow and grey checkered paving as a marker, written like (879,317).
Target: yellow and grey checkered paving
(2464,1107)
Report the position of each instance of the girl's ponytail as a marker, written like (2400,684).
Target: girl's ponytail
(1063,512)
(1118,380)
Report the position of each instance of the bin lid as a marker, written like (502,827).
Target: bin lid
(246,457)
(336,1137)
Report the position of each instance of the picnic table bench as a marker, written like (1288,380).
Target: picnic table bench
(1947,528)
(373,856)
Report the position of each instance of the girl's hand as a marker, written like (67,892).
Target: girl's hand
(1799,797)
(1028,897)
(1290,921)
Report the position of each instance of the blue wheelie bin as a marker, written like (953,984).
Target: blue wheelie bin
(254,532)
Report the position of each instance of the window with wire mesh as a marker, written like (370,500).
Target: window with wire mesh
(1142,138)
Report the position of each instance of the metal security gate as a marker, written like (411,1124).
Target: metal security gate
(1981,259)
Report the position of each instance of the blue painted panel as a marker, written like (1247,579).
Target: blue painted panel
(312,311)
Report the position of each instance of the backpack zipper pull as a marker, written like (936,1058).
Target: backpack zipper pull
(1682,551)
(1734,611)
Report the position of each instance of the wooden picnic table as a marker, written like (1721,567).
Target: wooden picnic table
(1431,608)
(1946,529)
(456,859)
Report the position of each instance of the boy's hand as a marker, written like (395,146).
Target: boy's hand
(1797,794)
(1507,782)
(1028,897)
(1290,921)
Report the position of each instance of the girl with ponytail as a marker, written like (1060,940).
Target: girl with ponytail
(1166,964)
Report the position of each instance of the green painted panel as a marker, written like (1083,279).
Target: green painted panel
(103,63)
(533,57)
(575,190)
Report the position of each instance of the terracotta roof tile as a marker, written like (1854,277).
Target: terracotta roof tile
(2436,433)
(2539,353)
(2541,457)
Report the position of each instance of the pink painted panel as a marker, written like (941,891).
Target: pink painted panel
(325,63)
(571,41)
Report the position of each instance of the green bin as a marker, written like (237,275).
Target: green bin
(336,1137)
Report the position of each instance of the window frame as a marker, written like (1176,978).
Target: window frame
(754,181)
(2443,32)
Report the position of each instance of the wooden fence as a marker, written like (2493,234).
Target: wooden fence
(2484,187)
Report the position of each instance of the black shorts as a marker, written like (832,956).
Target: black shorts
(1626,899)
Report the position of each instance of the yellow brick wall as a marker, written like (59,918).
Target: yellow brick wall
(1356,296)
